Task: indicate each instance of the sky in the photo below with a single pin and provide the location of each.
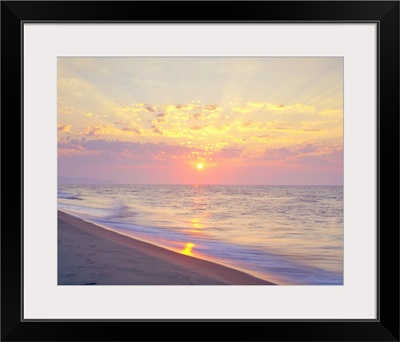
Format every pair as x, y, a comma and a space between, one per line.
187, 120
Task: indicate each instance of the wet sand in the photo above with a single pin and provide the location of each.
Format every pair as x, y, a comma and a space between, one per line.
91, 255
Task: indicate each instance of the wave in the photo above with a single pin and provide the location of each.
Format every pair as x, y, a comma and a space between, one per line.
175, 217
281, 269
120, 210
68, 195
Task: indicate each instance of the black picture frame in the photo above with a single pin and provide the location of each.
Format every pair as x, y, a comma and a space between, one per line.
384, 13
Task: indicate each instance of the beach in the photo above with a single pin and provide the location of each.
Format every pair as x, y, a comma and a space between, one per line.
251, 180
91, 255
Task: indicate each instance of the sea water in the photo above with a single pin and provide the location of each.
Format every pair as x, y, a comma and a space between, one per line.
290, 235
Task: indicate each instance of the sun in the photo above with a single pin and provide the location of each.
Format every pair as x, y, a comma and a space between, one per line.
200, 166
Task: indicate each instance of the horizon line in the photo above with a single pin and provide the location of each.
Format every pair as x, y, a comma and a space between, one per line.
196, 184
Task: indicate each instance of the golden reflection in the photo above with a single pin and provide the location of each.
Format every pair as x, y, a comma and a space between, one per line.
196, 231
188, 249
196, 223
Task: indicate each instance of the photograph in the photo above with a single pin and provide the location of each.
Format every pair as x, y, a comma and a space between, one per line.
200, 170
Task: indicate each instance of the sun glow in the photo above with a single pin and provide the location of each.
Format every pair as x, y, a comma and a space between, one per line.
200, 166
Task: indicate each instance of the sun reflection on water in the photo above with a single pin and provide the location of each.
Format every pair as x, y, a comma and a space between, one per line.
188, 249
196, 223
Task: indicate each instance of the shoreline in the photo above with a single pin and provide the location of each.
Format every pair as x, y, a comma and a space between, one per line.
91, 255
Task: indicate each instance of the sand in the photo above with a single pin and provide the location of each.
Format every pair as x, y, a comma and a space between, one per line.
91, 255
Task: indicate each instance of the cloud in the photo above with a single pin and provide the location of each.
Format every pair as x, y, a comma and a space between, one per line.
241, 110
210, 107
211, 110
71, 145
131, 129
228, 153
247, 123
70, 148
197, 115
310, 130
98, 145
114, 150
308, 148
317, 153
195, 128
173, 108
250, 106
64, 128
156, 130
106, 129
97, 130
250, 125
138, 108
273, 108
189, 106
332, 112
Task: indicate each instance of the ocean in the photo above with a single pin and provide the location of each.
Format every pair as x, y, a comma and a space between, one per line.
290, 235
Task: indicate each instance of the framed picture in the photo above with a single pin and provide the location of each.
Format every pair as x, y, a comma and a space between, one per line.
200, 162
